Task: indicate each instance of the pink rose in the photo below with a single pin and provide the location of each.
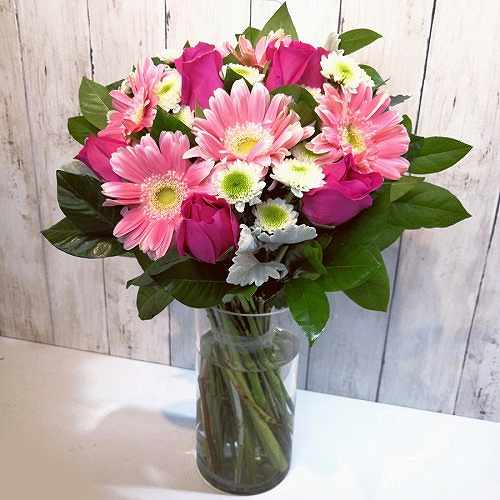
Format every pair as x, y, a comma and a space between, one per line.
208, 228
96, 154
345, 194
296, 63
199, 67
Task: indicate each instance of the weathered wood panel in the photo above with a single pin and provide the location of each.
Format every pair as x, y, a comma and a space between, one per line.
440, 270
24, 307
55, 49
114, 51
213, 22
348, 359
479, 392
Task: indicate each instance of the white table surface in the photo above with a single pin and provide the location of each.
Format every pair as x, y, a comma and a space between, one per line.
83, 426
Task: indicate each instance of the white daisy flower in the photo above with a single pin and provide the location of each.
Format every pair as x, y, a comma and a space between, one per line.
365, 78
342, 70
185, 115
273, 215
168, 91
248, 270
287, 236
300, 175
239, 184
249, 73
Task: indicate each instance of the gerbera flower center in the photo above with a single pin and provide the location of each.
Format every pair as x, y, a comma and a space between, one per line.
353, 136
163, 195
241, 139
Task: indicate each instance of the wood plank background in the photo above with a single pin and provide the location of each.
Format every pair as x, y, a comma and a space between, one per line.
438, 348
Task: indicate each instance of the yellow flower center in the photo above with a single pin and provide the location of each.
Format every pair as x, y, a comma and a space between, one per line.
163, 195
241, 139
353, 136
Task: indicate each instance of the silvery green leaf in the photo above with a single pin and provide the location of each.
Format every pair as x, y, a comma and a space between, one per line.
248, 270
288, 236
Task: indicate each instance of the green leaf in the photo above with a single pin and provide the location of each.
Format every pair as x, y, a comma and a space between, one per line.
353, 40
406, 122
402, 186
231, 77
95, 102
251, 34
114, 85
240, 292
303, 102
427, 205
80, 199
70, 239
281, 19
196, 284
168, 122
398, 99
200, 295
349, 267
374, 293
433, 154
80, 128
309, 306
374, 75
313, 253
151, 300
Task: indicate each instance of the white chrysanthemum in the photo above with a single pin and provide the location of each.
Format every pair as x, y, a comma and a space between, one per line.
287, 236
239, 184
273, 215
246, 242
300, 175
248, 270
168, 56
185, 115
249, 73
168, 91
342, 70
300, 152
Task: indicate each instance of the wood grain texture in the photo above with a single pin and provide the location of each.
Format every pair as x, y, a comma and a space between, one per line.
213, 22
479, 393
114, 51
440, 270
55, 51
24, 307
348, 359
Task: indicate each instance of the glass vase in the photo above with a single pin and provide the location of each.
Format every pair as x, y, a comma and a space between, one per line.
247, 378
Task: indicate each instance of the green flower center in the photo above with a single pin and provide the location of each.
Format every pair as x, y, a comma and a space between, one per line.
273, 217
164, 88
163, 195
351, 135
299, 168
236, 185
344, 72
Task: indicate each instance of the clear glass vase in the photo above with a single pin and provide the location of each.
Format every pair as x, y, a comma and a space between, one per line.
247, 378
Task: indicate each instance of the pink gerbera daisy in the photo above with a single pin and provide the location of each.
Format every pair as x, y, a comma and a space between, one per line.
134, 104
247, 126
362, 125
156, 180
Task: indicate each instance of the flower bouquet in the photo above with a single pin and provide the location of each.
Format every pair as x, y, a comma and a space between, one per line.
247, 179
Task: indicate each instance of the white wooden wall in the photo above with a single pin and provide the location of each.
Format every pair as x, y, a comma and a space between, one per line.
438, 348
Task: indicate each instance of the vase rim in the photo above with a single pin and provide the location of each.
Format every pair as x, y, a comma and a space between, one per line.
273, 312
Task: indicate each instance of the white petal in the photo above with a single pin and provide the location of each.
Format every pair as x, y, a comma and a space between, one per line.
247, 270
288, 236
247, 242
